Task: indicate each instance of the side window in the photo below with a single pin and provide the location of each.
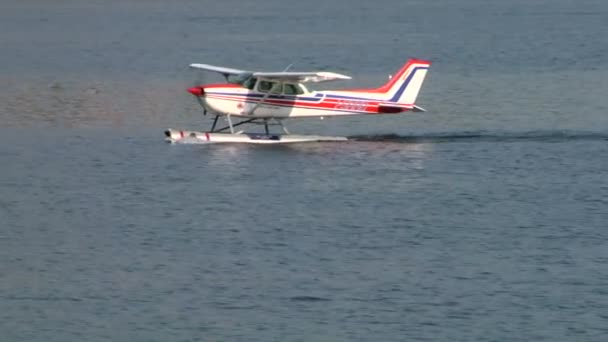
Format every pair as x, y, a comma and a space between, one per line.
273, 87
292, 89
277, 88
264, 86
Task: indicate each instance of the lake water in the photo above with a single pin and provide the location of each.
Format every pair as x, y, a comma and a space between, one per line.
483, 219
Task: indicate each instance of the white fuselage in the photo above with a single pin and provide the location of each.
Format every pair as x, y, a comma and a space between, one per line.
238, 101
268, 98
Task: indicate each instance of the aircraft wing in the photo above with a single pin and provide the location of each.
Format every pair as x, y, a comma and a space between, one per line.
301, 77
283, 76
219, 69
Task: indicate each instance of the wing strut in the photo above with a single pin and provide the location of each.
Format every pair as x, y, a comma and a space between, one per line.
263, 99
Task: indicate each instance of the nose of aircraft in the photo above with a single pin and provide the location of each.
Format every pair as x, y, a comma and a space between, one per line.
196, 91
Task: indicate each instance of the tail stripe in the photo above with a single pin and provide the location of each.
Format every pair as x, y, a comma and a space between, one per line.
407, 81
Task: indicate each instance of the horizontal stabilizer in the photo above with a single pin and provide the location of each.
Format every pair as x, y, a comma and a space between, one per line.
393, 108
418, 109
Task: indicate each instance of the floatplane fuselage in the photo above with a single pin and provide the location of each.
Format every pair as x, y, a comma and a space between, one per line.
271, 97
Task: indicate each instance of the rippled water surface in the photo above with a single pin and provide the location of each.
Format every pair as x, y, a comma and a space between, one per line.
483, 219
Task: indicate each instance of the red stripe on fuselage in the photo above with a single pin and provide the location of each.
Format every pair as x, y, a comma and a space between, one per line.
293, 102
354, 106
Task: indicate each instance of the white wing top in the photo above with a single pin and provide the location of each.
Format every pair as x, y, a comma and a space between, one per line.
221, 70
283, 76
302, 77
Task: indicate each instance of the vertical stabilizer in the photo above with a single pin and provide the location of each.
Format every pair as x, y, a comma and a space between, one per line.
405, 85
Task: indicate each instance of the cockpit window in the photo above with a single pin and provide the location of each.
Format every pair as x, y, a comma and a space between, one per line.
244, 80
249, 83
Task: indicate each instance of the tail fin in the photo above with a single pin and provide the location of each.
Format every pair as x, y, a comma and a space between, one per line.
405, 85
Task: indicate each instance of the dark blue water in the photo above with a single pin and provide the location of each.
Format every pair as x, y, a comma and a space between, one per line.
483, 219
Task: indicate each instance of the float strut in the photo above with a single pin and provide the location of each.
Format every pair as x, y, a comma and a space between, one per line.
214, 123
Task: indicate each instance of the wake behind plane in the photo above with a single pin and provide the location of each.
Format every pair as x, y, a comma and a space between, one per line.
269, 98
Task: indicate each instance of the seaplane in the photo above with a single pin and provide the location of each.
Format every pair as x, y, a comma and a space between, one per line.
269, 98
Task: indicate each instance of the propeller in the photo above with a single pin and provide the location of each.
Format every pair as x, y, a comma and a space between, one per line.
198, 91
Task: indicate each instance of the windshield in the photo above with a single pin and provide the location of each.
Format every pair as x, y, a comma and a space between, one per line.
244, 79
